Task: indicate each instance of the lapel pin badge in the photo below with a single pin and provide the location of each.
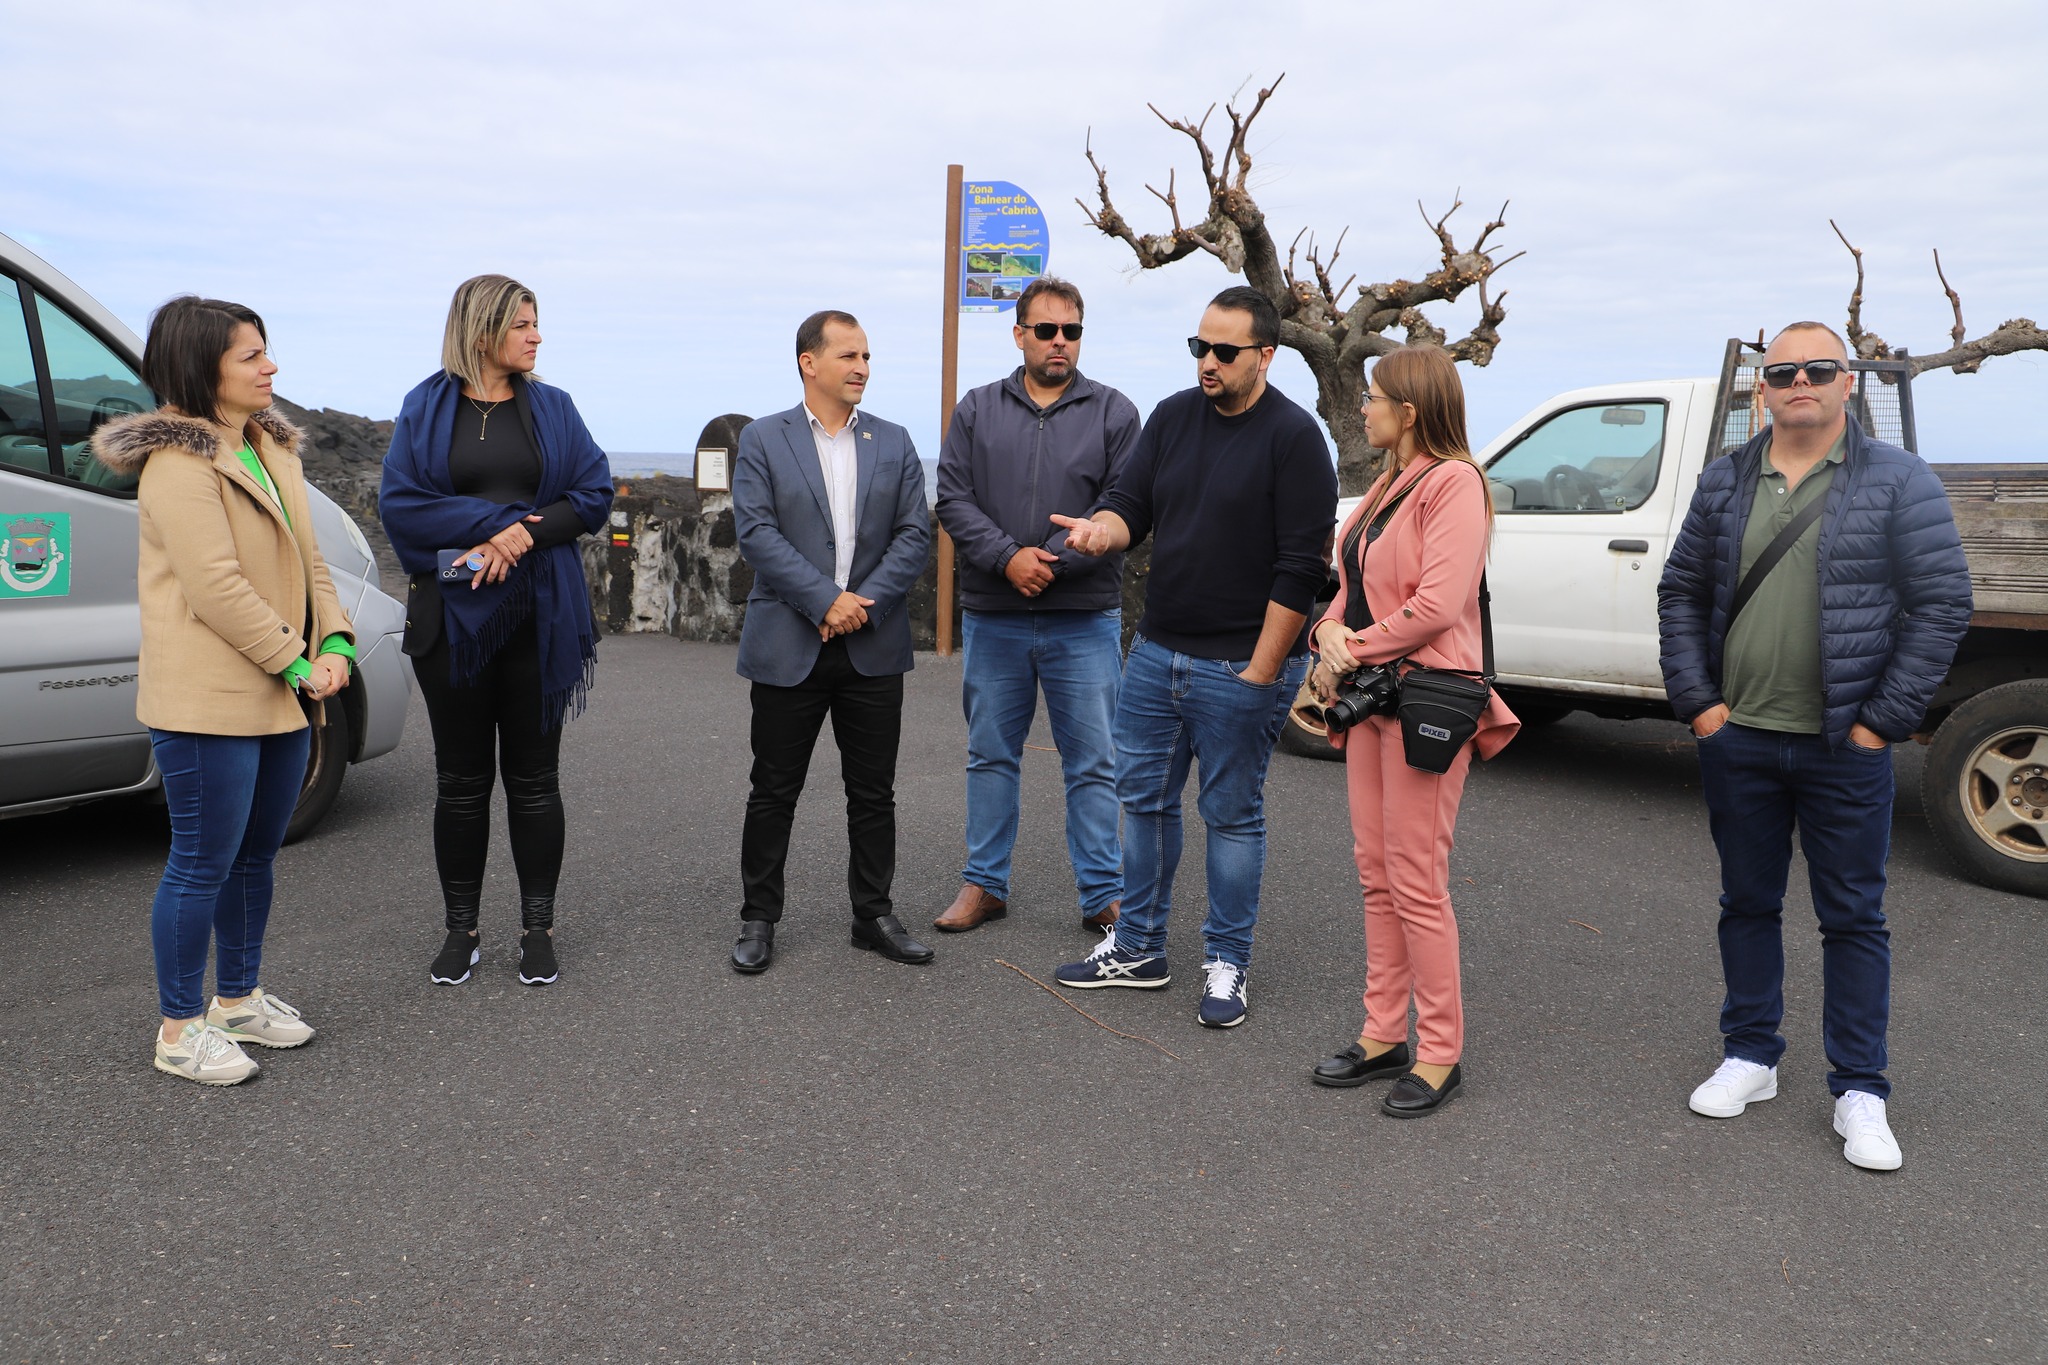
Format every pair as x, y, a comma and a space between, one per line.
867, 436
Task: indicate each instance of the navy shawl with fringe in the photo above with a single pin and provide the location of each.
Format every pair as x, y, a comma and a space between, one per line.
422, 513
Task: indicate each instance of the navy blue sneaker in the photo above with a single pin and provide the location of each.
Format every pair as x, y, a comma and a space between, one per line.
1223, 997
1108, 966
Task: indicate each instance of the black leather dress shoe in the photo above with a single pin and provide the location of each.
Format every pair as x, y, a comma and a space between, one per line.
1412, 1097
756, 947
886, 935
1352, 1067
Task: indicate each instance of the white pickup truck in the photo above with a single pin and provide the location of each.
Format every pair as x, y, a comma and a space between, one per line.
1590, 490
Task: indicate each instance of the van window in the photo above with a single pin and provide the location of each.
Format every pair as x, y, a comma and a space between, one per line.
93, 386
1601, 458
21, 401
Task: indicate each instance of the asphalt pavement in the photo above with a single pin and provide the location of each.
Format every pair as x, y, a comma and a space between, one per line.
846, 1159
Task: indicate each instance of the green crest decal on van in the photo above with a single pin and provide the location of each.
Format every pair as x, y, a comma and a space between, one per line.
35, 554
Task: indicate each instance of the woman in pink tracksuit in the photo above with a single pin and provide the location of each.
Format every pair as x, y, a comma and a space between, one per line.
1421, 602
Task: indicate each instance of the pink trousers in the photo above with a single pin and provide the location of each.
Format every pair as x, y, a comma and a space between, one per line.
1402, 822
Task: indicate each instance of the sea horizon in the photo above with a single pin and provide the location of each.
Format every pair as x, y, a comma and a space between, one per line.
641, 464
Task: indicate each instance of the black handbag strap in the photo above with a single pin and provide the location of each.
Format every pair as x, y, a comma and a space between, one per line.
1780, 546
1363, 535
1355, 604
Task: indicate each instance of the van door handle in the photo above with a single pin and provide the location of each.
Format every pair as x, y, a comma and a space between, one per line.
1629, 547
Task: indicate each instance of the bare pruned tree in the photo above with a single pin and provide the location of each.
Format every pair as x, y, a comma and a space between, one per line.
1335, 337
1964, 357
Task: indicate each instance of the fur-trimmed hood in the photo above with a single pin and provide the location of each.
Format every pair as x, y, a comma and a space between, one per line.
125, 444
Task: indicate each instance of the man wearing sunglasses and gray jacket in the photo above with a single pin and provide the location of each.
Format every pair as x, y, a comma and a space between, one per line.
1809, 610
1035, 613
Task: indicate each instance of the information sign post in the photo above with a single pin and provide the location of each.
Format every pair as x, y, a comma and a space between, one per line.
996, 246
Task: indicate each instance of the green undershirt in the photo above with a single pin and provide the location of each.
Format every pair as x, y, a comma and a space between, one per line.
1770, 663
298, 670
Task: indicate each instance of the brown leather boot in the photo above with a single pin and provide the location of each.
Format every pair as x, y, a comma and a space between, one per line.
969, 910
1104, 917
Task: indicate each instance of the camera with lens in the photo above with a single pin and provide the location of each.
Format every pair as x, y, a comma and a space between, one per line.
1366, 692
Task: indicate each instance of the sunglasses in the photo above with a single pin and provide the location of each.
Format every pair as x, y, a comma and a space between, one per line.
1046, 331
1818, 372
1225, 352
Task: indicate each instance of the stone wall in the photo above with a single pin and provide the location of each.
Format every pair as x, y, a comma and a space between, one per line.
670, 563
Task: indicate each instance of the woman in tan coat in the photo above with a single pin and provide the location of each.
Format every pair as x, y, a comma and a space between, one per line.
242, 640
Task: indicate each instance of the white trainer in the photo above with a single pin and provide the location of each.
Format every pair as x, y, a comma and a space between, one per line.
262, 1019
1867, 1138
1733, 1087
203, 1054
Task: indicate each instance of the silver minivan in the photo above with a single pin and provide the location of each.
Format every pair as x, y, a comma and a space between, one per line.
69, 625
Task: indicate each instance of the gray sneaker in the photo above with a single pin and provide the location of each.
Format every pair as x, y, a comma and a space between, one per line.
262, 1019
203, 1054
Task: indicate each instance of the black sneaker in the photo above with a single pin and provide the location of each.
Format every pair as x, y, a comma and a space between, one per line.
537, 958
457, 956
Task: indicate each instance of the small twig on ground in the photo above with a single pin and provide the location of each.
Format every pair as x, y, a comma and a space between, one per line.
1042, 748
1582, 924
1785, 1269
1134, 1037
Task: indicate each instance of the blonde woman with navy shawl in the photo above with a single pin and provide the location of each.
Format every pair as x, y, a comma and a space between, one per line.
491, 478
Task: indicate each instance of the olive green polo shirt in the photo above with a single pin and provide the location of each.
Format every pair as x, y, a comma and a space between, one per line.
1770, 662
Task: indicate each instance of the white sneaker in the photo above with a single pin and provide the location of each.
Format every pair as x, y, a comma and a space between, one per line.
1734, 1085
1868, 1140
262, 1019
203, 1054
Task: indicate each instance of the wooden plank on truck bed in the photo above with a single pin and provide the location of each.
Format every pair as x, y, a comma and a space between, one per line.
2002, 515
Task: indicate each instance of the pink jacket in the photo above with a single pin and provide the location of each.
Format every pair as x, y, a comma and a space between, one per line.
1422, 579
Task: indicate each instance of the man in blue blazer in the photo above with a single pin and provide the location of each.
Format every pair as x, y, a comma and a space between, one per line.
830, 510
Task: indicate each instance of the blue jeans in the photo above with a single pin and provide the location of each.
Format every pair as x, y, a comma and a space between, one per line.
1077, 656
1760, 785
1175, 710
231, 797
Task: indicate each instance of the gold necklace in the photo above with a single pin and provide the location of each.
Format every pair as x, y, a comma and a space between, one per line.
486, 411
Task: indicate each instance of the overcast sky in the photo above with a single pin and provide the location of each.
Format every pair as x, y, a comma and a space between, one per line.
680, 185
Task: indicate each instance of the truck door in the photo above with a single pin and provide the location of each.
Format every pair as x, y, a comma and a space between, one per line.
1582, 522
68, 625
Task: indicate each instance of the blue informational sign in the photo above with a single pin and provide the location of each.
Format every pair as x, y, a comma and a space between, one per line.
1002, 245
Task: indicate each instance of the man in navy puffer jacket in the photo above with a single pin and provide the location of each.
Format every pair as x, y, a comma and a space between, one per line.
1835, 652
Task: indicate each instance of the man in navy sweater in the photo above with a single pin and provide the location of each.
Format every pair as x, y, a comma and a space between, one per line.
1237, 487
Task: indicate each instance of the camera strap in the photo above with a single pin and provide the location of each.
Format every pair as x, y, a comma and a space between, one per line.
1781, 545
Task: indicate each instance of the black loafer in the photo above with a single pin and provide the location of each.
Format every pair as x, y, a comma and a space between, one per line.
1412, 1097
886, 935
1352, 1067
756, 948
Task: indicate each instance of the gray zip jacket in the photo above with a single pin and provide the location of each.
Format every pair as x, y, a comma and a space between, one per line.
1007, 465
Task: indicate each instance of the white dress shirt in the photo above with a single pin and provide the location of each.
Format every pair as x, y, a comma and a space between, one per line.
836, 457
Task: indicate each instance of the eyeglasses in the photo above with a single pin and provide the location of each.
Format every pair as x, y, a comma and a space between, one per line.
1818, 372
1046, 331
1225, 352
1380, 398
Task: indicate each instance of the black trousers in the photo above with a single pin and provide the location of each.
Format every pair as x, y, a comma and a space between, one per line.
492, 726
867, 723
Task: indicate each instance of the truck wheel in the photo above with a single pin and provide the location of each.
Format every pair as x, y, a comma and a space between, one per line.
326, 765
1304, 740
1985, 787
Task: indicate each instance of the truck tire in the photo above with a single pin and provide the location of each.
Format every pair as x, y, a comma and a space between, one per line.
326, 765
1985, 787
1304, 740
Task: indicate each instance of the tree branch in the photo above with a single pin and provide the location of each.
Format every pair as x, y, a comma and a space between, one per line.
1866, 344
1957, 332
2011, 337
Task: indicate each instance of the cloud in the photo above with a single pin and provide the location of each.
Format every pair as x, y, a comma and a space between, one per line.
682, 185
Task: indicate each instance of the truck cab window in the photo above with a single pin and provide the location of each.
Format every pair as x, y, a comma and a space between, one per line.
1601, 458
92, 386
21, 401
